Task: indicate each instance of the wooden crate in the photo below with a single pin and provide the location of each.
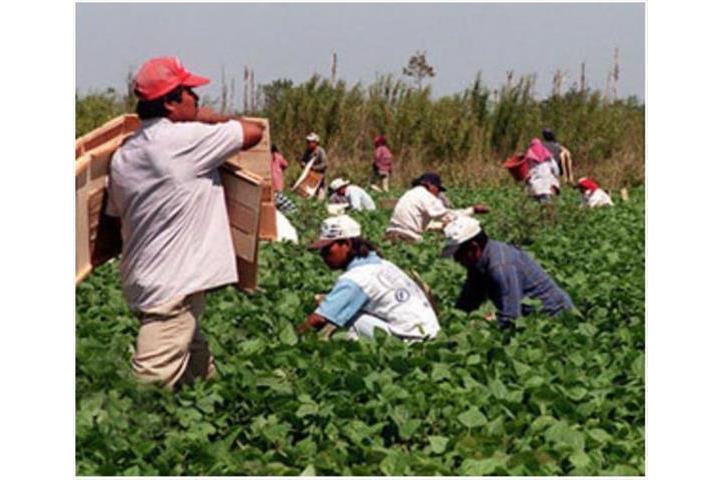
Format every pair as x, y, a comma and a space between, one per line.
258, 160
97, 236
307, 184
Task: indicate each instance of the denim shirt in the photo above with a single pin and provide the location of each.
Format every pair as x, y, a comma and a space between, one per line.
505, 275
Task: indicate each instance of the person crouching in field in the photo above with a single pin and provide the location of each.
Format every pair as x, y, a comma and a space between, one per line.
371, 293
382, 164
165, 186
592, 194
542, 182
419, 206
499, 272
352, 195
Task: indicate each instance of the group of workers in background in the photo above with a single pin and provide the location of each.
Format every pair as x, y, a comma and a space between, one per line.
164, 186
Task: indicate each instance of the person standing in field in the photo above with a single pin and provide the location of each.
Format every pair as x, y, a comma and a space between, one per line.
345, 192
278, 166
420, 205
560, 154
382, 164
165, 187
315, 153
592, 195
542, 181
372, 293
499, 272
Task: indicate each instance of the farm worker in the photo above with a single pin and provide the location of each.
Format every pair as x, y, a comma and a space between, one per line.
345, 192
371, 292
560, 154
500, 272
277, 166
165, 186
382, 163
419, 206
592, 194
542, 182
315, 152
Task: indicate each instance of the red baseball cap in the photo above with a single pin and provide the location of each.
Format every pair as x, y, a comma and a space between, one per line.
587, 183
161, 75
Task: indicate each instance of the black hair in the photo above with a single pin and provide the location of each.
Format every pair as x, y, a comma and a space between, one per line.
273, 148
548, 135
480, 240
361, 247
148, 109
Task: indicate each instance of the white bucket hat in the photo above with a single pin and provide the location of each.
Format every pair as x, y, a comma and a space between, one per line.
338, 183
336, 228
313, 137
458, 232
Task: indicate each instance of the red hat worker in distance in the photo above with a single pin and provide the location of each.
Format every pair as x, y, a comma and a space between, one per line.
161, 75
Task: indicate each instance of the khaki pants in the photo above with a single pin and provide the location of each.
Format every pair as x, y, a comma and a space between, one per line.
170, 349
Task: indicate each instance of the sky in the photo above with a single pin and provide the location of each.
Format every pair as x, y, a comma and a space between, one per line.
296, 40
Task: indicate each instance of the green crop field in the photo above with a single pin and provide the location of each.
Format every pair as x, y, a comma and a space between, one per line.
557, 396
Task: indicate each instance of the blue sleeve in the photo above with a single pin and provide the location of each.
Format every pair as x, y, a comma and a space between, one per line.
343, 303
508, 293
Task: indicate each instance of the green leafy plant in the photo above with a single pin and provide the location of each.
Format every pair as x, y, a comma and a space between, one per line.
558, 396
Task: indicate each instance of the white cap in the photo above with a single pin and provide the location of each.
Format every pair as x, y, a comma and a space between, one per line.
338, 183
337, 228
457, 232
313, 137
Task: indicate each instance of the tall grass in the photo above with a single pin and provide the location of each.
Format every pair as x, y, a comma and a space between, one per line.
465, 136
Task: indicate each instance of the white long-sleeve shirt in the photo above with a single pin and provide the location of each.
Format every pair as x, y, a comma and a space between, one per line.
416, 210
597, 198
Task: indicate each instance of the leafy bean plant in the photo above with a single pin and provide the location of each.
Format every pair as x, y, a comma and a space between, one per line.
557, 396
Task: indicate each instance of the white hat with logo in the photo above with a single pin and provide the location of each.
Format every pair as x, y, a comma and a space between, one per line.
336, 228
313, 137
457, 232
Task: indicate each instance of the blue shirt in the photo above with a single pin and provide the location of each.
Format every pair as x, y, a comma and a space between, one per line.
346, 299
505, 275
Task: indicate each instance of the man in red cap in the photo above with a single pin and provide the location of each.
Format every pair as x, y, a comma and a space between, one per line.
165, 187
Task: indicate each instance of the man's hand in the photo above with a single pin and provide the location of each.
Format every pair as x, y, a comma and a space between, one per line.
480, 208
314, 321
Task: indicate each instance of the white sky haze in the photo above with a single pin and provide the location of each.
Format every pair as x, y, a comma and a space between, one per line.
296, 40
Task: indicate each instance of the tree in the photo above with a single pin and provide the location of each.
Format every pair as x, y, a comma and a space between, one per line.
418, 68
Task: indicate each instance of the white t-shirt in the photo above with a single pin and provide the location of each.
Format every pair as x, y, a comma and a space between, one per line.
359, 198
597, 198
165, 186
414, 211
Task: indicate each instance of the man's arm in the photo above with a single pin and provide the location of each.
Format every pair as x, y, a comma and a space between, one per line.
252, 131
314, 321
507, 293
473, 293
320, 160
